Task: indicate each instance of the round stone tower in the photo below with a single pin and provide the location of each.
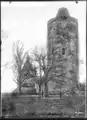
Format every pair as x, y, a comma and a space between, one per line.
63, 40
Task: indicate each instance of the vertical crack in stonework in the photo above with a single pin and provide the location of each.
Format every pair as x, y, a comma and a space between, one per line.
62, 37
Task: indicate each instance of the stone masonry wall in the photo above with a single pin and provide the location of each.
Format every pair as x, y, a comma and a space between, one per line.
63, 39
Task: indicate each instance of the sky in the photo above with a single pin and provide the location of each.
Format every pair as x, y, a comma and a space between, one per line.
27, 22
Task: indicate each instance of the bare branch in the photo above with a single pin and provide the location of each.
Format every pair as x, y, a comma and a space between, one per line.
18, 60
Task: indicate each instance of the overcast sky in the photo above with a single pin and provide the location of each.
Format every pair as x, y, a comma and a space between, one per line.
27, 22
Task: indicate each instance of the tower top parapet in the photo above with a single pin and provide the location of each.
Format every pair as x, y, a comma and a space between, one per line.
63, 12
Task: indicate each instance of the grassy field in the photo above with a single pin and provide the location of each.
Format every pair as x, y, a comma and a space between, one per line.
34, 106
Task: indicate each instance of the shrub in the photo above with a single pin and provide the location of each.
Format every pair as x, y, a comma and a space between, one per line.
7, 106
31, 92
14, 94
4, 106
12, 106
54, 93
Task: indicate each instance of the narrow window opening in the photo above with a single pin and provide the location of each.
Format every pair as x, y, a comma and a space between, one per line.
63, 51
54, 28
63, 17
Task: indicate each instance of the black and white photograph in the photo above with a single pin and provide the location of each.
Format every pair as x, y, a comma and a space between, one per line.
43, 59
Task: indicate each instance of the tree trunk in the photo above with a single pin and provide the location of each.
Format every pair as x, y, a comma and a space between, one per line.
19, 85
19, 79
39, 89
19, 89
46, 89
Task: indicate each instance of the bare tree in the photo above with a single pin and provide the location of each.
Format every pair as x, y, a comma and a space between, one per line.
38, 62
28, 70
18, 61
44, 68
47, 64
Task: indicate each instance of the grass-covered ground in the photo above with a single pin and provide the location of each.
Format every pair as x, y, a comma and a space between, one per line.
34, 106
